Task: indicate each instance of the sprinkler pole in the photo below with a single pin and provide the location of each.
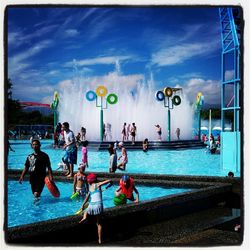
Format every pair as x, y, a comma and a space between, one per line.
101, 124
169, 128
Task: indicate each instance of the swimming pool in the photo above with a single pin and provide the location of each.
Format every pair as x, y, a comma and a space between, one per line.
176, 162
22, 209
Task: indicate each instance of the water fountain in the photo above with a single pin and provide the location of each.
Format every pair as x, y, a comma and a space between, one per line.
136, 103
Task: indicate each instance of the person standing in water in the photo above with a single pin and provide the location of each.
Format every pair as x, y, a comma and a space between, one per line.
124, 157
133, 133
158, 130
80, 182
95, 207
85, 153
124, 137
70, 157
112, 159
178, 132
37, 164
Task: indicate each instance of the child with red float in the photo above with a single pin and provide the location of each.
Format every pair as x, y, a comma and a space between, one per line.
127, 186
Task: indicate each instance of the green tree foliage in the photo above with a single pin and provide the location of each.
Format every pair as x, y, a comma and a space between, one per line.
16, 116
216, 114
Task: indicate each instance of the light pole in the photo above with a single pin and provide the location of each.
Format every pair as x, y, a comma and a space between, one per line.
101, 92
54, 106
166, 95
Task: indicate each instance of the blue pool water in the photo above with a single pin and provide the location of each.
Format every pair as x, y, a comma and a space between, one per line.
176, 162
22, 209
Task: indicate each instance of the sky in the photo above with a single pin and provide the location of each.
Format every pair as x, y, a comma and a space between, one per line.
171, 46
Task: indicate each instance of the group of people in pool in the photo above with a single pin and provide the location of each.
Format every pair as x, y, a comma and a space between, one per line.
213, 146
87, 186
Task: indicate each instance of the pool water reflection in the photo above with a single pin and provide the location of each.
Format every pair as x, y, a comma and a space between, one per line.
22, 209
176, 162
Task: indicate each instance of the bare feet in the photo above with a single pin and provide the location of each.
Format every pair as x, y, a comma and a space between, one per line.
69, 176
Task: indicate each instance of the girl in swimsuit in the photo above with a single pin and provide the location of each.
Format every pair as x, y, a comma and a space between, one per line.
80, 182
95, 206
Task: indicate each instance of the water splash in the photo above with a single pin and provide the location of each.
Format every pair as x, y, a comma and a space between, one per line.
136, 103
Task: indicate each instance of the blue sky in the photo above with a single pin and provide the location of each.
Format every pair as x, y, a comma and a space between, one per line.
173, 46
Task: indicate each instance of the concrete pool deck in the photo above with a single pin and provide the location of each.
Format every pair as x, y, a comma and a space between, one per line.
147, 223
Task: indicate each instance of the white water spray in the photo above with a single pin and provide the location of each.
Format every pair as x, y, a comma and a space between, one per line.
136, 103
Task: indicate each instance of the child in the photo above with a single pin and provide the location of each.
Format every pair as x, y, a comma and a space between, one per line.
124, 157
112, 159
62, 166
95, 206
80, 182
85, 153
127, 187
145, 145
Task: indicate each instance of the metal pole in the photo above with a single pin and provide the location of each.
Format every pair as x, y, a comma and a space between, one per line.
55, 118
169, 138
199, 124
210, 122
101, 125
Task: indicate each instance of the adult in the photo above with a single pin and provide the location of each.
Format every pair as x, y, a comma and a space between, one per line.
70, 157
133, 132
124, 137
127, 187
178, 132
158, 130
123, 157
37, 164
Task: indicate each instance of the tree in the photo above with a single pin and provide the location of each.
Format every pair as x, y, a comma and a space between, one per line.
13, 106
16, 116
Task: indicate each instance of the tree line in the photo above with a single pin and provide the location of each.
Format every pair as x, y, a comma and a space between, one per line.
16, 116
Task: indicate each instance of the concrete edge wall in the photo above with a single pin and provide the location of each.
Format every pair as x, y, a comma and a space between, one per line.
147, 212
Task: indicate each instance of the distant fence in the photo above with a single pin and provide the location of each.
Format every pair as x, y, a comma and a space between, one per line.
26, 131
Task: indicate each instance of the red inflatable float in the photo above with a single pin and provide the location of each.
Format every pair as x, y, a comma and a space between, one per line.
52, 187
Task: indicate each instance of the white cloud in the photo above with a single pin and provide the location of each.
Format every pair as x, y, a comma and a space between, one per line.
71, 33
98, 60
29, 92
19, 62
209, 88
229, 75
180, 53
